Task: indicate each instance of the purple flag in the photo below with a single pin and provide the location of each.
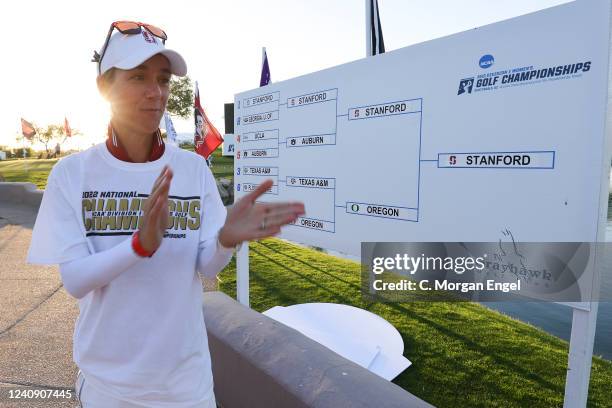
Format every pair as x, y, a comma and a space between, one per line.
265, 70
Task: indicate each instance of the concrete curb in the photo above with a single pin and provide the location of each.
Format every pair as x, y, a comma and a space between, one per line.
259, 362
20, 193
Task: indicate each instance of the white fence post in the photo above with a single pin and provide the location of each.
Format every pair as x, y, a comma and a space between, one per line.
242, 274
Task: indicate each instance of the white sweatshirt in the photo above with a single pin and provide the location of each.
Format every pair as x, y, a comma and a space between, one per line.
140, 335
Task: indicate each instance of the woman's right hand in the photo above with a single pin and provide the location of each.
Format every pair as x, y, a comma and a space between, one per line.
156, 212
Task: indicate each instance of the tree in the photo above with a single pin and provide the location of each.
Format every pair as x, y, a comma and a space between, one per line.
74, 132
45, 136
180, 101
53, 132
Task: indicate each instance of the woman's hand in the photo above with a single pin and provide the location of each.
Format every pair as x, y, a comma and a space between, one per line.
248, 220
156, 213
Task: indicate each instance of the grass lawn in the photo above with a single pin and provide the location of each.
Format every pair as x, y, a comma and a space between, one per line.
463, 354
36, 171
30, 170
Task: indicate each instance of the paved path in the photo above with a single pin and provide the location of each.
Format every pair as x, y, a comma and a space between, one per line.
36, 316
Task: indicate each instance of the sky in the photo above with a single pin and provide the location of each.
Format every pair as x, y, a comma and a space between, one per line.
47, 46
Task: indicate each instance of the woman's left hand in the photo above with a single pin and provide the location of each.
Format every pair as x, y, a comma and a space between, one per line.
247, 219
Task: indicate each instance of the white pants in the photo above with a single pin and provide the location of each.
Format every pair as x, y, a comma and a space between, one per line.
89, 397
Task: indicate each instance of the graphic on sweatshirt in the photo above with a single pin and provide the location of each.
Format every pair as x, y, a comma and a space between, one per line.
121, 213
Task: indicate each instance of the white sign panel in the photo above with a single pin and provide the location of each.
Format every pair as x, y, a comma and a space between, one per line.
494, 134
229, 146
489, 134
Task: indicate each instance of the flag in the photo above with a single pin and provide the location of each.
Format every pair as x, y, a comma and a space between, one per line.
376, 35
265, 69
206, 138
27, 129
170, 132
67, 129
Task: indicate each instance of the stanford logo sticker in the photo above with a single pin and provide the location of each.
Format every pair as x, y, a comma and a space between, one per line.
148, 37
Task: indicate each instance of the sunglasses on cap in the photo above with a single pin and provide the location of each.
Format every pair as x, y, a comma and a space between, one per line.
128, 27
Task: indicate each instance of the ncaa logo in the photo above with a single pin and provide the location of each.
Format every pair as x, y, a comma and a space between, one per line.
465, 86
486, 61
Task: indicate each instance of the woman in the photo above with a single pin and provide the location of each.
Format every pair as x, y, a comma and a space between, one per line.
130, 222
